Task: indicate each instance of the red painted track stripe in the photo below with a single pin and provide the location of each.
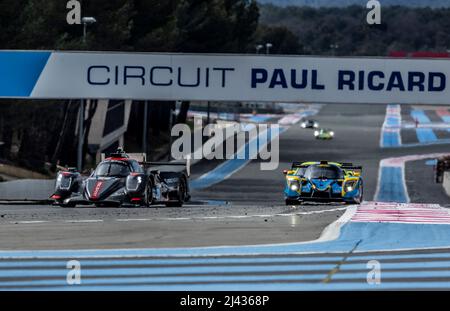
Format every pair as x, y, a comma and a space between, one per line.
378, 211
442, 112
404, 221
403, 214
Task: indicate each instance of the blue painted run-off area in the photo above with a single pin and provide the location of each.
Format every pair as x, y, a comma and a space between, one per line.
251, 273
391, 185
260, 118
446, 119
391, 139
424, 135
420, 116
431, 162
231, 166
390, 135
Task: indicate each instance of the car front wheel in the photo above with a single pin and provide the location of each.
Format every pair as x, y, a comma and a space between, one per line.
149, 194
181, 195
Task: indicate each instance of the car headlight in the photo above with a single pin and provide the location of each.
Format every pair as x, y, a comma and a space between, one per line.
63, 182
58, 180
316, 125
133, 184
350, 186
294, 186
303, 124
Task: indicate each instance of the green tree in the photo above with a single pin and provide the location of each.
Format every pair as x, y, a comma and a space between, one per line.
122, 25
216, 25
283, 40
154, 25
9, 22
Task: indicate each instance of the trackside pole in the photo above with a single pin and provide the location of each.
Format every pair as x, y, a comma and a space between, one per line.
188, 165
145, 128
80, 136
169, 157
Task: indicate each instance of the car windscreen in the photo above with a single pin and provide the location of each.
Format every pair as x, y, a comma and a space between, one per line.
300, 171
112, 169
329, 172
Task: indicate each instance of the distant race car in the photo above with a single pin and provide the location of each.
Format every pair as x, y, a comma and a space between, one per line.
309, 124
323, 182
122, 181
324, 134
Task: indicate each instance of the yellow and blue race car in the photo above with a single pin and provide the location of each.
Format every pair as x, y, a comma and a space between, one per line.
323, 182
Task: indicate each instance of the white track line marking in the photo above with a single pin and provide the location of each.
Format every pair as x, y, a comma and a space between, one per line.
189, 218
238, 216
135, 219
315, 212
30, 222
84, 221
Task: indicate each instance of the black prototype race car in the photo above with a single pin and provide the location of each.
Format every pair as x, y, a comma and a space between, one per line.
309, 124
121, 181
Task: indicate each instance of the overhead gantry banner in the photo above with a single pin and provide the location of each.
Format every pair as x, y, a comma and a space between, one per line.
206, 77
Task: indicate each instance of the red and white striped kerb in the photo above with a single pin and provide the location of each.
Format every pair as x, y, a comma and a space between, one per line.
401, 213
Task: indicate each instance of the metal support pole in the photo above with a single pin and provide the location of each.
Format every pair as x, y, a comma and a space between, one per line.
145, 128
170, 134
80, 136
84, 32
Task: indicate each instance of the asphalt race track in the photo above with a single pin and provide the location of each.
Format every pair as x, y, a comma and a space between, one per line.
247, 208
245, 217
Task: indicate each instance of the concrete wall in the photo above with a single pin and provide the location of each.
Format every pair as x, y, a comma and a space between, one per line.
20, 173
446, 183
27, 189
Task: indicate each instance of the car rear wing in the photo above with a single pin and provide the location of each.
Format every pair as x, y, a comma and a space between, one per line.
298, 165
344, 164
186, 164
67, 169
357, 170
140, 157
352, 167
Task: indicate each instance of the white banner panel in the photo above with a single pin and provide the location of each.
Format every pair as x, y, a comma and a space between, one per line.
144, 76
